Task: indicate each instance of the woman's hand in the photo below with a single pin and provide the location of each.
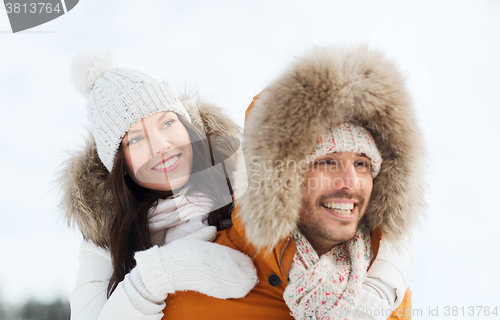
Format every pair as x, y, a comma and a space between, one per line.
192, 263
393, 268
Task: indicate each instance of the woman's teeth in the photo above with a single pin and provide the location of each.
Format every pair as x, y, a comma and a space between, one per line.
167, 164
340, 208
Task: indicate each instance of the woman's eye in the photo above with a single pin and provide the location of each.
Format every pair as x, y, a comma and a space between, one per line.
168, 123
135, 140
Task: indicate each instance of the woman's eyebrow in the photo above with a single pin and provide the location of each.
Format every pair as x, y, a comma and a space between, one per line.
166, 113
134, 131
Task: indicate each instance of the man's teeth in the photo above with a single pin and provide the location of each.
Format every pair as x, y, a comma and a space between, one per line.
167, 164
339, 207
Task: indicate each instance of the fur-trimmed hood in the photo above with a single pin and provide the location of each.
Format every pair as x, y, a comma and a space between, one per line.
326, 87
88, 204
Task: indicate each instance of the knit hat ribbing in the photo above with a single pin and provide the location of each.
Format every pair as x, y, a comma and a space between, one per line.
117, 99
349, 137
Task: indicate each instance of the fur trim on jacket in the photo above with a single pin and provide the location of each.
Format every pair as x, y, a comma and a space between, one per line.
88, 204
326, 87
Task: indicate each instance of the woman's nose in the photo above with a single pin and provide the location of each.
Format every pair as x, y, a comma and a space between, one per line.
159, 144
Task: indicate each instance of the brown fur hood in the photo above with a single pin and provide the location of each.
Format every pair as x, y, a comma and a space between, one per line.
326, 87
85, 200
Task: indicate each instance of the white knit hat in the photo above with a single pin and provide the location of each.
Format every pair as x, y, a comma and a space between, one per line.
349, 137
117, 99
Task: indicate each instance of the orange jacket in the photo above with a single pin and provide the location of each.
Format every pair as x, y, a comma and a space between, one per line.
265, 301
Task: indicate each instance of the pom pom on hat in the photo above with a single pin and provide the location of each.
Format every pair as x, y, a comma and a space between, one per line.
89, 66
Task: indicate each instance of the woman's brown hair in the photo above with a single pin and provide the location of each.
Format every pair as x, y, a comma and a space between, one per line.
131, 202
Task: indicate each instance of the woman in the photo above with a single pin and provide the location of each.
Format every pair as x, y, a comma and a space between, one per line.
153, 171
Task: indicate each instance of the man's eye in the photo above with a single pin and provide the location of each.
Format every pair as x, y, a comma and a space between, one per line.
362, 164
326, 161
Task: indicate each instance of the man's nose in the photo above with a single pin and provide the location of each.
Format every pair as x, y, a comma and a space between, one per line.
348, 176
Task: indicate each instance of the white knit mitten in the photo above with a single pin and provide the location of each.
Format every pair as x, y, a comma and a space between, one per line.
372, 304
393, 267
196, 265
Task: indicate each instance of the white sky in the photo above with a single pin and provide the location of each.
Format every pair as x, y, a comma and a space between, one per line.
231, 50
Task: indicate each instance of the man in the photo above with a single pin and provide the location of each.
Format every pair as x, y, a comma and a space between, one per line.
332, 158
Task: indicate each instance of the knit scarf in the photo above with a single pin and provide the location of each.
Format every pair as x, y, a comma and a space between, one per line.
176, 217
327, 287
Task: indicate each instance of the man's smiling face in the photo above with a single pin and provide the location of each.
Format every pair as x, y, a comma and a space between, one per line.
337, 189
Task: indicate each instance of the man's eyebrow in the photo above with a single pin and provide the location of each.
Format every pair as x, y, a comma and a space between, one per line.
362, 155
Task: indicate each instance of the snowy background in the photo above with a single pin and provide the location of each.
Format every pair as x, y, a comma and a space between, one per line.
449, 51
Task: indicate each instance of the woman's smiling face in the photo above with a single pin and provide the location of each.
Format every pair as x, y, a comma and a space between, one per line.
158, 153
